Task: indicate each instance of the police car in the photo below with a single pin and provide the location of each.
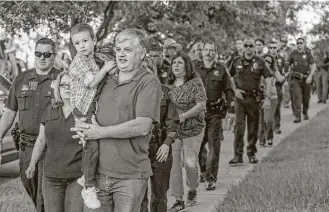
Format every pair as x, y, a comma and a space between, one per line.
9, 152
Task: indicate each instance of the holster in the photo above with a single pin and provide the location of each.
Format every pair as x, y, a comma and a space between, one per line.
298, 75
26, 140
258, 94
218, 107
16, 135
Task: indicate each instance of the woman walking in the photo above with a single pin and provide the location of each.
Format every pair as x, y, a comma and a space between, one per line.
63, 154
188, 95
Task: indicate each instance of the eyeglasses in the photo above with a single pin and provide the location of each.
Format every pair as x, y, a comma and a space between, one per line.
65, 85
300, 43
249, 46
45, 54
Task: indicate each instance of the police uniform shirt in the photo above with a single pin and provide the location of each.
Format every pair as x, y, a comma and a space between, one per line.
30, 94
247, 73
216, 80
301, 61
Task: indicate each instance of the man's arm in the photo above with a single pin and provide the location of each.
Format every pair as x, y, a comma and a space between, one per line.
313, 68
140, 126
6, 121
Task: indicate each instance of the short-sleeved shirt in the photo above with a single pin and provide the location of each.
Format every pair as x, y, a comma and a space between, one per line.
216, 81
301, 61
247, 73
119, 103
63, 155
30, 94
184, 98
83, 70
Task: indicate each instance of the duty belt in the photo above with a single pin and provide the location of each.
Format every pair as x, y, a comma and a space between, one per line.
27, 141
299, 75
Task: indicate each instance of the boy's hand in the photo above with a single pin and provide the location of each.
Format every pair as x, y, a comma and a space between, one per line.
109, 65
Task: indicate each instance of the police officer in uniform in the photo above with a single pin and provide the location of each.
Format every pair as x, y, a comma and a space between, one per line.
30, 94
160, 152
303, 68
247, 72
216, 81
283, 69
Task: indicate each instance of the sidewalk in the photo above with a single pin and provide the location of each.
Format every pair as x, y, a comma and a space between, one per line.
232, 175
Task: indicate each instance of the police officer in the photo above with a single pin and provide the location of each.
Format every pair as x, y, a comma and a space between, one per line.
170, 48
160, 152
303, 68
247, 72
216, 81
284, 51
30, 94
283, 69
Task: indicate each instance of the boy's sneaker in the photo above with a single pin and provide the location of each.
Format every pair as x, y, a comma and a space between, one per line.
191, 198
90, 197
81, 181
178, 206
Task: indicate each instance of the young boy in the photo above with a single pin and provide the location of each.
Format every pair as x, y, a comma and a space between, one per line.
86, 76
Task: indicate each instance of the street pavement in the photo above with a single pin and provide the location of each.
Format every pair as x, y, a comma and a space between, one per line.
232, 175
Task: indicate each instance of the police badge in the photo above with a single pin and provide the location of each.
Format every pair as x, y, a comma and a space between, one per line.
216, 73
255, 65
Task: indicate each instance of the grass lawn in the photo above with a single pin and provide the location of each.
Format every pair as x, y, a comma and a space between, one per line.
294, 176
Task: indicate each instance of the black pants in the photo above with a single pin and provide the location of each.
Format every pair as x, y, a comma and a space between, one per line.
32, 186
247, 108
159, 184
277, 116
300, 95
209, 162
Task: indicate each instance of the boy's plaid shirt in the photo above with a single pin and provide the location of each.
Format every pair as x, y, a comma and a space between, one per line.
82, 71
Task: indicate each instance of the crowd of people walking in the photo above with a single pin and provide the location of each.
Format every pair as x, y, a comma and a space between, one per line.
94, 133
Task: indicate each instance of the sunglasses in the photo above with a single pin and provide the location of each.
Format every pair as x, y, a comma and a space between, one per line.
300, 43
249, 46
65, 85
45, 54
272, 47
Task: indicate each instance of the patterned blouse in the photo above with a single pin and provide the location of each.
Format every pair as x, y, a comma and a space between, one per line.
184, 98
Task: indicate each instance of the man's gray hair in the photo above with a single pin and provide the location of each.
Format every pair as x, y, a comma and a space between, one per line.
132, 33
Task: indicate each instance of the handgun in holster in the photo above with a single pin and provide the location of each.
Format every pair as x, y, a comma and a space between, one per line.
15, 133
218, 107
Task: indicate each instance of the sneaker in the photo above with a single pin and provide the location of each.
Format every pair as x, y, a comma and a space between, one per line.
202, 178
90, 197
191, 198
178, 206
211, 186
278, 131
81, 181
270, 142
253, 159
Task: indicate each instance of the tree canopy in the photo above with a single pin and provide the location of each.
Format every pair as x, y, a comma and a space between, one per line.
185, 21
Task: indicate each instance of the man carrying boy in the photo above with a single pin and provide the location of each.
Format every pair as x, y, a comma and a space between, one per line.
86, 76
129, 105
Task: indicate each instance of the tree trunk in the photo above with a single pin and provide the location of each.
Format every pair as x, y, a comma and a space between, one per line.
74, 21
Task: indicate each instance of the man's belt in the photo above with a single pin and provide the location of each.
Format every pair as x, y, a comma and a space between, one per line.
218, 107
27, 140
299, 75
